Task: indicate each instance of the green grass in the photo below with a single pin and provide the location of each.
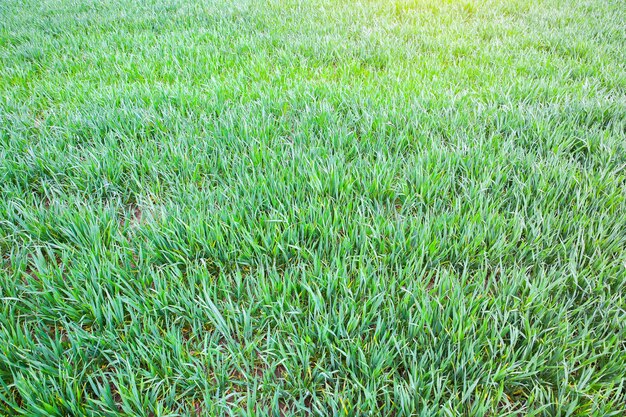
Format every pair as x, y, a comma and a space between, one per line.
313, 208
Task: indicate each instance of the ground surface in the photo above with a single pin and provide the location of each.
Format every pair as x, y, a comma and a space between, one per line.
375, 208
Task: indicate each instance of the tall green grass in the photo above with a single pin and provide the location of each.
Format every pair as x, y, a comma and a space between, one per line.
294, 208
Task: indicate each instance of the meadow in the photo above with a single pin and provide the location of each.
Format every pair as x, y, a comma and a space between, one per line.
313, 208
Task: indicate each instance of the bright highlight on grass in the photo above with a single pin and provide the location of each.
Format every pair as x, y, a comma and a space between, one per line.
312, 208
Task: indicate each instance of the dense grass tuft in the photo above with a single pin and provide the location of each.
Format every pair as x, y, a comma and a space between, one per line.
294, 208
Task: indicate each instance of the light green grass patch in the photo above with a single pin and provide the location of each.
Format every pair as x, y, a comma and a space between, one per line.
294, 208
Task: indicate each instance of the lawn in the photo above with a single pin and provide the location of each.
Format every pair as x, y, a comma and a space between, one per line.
313, 208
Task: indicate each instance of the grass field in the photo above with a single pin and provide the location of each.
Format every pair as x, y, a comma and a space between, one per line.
313, 208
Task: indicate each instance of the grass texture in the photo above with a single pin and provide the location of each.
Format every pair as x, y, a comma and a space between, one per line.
313, 208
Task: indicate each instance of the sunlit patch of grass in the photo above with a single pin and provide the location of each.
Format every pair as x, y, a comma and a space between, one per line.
406, 207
